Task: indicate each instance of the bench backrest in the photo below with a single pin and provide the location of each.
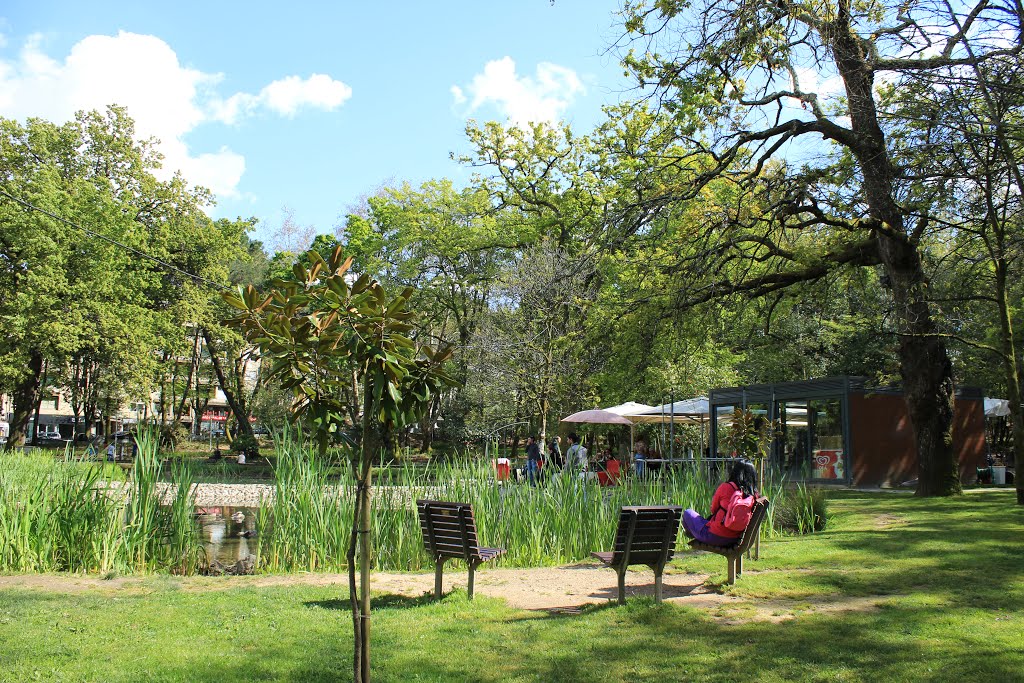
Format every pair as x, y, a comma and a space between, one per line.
646, 535
754, 526
448, 529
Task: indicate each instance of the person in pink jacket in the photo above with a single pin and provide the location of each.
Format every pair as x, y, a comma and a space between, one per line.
712, 529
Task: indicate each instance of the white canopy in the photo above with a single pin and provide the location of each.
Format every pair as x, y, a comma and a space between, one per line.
997, 407
691, 410
629, 408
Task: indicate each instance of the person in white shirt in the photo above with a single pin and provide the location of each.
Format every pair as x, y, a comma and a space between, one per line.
576, 456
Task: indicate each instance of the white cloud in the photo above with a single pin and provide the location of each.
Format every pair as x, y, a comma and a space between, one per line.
290, 94
522, 99
166, 99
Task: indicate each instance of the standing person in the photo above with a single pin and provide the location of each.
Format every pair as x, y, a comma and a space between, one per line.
640, 458
111, 451
555, 454
532, 460
719, 528
576, 456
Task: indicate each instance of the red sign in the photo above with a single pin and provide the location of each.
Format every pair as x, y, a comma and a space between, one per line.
218, 417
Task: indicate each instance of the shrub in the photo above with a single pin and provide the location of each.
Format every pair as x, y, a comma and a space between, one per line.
801, 509
246, 444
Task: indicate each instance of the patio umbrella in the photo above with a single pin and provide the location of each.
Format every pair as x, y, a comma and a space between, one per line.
629, 409
601, 417
690, 411
597, 417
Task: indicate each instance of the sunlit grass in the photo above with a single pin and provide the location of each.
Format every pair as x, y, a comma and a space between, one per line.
925, 590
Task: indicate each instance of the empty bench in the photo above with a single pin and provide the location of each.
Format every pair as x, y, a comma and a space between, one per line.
449, 531
646, 535
734, 553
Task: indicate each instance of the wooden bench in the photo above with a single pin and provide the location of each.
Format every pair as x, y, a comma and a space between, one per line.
449, 531
734, 553
646, 535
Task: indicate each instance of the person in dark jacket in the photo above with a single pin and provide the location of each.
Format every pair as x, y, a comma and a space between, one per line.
555, 454
532, 460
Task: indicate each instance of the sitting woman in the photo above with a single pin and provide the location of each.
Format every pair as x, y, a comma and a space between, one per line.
608, 468
742, 484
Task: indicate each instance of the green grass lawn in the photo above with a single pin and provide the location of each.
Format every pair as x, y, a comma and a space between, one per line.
926, 590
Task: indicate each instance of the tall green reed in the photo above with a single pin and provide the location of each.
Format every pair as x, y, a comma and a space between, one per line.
306, 526
182, 547
72, 515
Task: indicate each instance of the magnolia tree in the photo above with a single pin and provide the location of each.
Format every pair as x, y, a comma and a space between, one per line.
320, 331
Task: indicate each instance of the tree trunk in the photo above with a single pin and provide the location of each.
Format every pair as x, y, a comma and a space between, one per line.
39, 402
193, 368
25, 395
361, 605
924, 364
1011, 368
238, 408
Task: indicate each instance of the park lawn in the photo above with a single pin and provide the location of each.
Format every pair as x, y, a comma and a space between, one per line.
927, 590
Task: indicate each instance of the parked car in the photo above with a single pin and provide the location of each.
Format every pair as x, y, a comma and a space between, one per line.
260, 430
218, 433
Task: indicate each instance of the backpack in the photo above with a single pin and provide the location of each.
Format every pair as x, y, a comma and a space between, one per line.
738, 511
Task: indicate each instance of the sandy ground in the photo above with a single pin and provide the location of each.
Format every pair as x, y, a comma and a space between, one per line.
563, 590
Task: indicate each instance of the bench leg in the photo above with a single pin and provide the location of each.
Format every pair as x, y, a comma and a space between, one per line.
657, 584
732, 569
739, 565
438, 572
622, 586
472, 574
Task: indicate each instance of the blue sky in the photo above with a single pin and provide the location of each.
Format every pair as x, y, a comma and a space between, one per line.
310, 106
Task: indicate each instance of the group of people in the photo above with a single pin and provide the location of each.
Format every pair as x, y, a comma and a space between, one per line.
575, 460
731, 504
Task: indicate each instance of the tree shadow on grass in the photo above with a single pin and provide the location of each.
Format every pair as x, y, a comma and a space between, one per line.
377, 602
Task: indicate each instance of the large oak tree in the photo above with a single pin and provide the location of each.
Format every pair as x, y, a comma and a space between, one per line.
748, 86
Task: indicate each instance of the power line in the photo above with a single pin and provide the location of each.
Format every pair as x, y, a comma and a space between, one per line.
133, 250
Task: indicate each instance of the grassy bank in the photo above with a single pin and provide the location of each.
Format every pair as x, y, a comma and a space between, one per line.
922, 590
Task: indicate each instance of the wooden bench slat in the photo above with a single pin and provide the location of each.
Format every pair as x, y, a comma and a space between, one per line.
447, 537
653, 532
734, 553
645, 535
449, 531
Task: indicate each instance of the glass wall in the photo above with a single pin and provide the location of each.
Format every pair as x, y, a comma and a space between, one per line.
827, 454
808, 426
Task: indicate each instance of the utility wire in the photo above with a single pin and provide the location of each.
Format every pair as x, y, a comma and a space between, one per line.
133, 250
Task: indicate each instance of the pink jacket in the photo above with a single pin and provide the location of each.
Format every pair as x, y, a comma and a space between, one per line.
723, 494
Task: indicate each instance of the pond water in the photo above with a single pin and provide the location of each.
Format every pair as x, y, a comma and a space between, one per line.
228, 533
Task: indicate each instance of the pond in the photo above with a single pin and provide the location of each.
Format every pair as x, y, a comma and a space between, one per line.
228, 532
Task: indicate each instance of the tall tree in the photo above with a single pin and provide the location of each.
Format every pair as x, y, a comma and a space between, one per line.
737, 78
313, 328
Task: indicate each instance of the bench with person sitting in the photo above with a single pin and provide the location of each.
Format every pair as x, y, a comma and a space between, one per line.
737, 511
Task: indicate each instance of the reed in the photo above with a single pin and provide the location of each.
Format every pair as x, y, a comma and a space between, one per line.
62, 516
182, 548
306, 526
71, 515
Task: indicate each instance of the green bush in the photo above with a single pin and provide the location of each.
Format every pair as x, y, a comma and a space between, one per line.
246, 444
801, 509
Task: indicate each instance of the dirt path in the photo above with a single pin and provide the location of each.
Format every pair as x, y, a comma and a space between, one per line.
555, 589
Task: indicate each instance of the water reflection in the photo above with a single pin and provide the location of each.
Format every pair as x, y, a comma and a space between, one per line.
228, 533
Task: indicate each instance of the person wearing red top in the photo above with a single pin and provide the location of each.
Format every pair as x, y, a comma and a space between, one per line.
712, 530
